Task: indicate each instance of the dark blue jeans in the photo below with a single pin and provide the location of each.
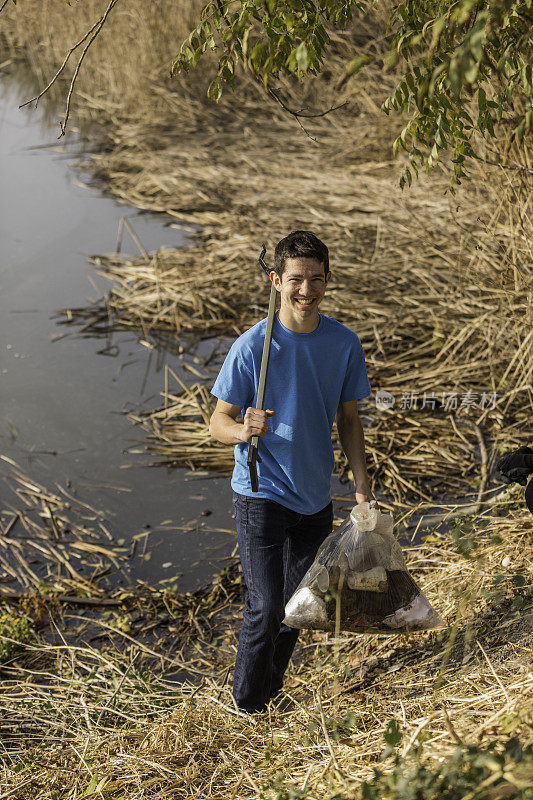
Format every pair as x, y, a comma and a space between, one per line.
276, 546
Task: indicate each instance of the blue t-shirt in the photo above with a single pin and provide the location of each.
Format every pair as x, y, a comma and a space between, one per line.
309, 374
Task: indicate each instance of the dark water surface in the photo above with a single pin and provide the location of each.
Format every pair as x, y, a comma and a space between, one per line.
59, 394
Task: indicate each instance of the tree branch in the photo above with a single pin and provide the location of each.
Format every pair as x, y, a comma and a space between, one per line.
61, 68
298, 114
92, 33
503, 166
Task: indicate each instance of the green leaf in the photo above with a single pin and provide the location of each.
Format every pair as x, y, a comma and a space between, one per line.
455, 76
471, 72
391, 59
301, 56
422, 93
393, 734
477, 40
244, 43
410, 81
256, 57
437, 30
358, 63
526, 78
216, 92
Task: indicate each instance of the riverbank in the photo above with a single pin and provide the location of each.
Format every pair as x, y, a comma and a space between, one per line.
149, 707
437, 288
62, 389
441, 298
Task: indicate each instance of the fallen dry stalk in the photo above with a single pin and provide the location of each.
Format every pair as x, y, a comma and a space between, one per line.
438, 288
441, 300
139, 732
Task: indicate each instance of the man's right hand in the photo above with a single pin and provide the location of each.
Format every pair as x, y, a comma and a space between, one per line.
255, 423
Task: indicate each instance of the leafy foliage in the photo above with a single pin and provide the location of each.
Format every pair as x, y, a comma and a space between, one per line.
466, 64
470, 48
472, 771
466, 773
13, 630
271, 37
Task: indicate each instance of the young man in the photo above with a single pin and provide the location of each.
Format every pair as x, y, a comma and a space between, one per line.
316, 372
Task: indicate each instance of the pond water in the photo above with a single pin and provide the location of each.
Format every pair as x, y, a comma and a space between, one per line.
62, 395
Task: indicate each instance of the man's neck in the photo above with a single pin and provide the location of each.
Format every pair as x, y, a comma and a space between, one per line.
297, 325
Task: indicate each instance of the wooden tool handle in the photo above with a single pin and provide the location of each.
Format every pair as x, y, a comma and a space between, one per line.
253, 456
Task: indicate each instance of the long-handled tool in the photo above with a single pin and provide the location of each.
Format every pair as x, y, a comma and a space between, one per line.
253, 456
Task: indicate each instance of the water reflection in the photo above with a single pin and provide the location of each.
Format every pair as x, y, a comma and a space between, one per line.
62, 395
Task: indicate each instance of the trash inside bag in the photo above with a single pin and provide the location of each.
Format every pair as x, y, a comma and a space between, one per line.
360, 574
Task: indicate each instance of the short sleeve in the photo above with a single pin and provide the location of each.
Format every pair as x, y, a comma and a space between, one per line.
235, 383
356, 384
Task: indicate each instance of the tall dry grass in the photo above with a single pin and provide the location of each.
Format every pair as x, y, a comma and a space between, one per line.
125, 74
245, 172
439, 289
135, 47
74, 718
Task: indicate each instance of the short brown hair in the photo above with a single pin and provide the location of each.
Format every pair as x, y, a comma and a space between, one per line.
300, 244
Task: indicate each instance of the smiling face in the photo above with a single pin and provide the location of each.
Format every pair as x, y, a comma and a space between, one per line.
302, 287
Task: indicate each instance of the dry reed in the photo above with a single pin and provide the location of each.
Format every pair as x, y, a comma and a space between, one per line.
440, 309
53, 542
106, 721
438, 289
61, 567
441, 300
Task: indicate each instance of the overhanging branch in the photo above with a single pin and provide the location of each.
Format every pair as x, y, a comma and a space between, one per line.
89, 35
302, 112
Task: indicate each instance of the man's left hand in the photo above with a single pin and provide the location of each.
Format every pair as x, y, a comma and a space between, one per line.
364, 495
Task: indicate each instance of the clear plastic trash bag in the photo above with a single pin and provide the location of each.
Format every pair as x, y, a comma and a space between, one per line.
360, 574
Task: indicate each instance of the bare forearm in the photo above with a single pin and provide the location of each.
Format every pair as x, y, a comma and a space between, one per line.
225, 429
353, 444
